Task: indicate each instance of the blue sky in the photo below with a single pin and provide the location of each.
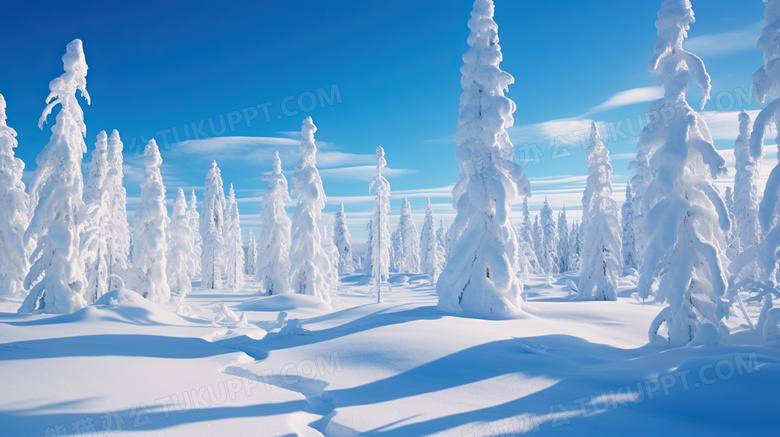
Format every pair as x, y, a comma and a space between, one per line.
232, 81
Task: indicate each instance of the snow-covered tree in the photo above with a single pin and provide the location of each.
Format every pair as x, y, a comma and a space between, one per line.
56, 279
629, 228
526, 240
14, 214
686, 217
368, 265
431, 258
745, 208
407, 246
250, 258
341, 241
195, 238
95, 239
150, 246
536, 235
180, 249
119, 230
212, 223
563, 254
234, 243
732, 242
273, 257
479, 278
549, 239
311, 271
602, 261
575, 246
379, 244
640, 182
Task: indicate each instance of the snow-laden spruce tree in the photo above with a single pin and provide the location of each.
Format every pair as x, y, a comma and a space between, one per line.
686, 217
234, 243
180, 260
549, 239
95, 240
379, 244
273, 257
602, 260
368, 265
396, 250
408, 248
479, 278
119, 230
212, 223
563, 254
150, 244
526, 239
575, 246
250, 258
746, 204
629, 228
431, 257
766, 253
14, 214
56, 279
341, 241
732, 242
195, 238
641, 180
536, 235
311, 271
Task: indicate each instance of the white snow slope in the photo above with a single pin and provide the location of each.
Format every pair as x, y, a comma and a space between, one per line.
243, 364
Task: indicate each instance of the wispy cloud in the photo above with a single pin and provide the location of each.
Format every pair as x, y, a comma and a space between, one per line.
719, 44
725, 125
629, 97
360, 172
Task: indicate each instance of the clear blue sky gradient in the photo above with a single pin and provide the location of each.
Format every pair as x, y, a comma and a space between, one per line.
386, 73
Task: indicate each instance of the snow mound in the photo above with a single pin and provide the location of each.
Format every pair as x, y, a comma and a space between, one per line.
283, 302
706, 335
293, 327
131, 307
226, 317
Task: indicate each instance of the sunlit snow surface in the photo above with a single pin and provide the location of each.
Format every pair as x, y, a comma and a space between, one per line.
356, 367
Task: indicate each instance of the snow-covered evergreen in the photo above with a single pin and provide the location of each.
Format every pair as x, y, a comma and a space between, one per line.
549, 239
341, 241
431, 258
406, 242
526, 239
536, 235
563, 254
148, 275
640, 182
180, 259
212, 222
250, 258
686, 217
234, 244
479, 278
14, 214
379, 242
195, 238
56, 279
629, 228
602, 261
273, 257
732, 242
311, 270
119, 230
575, 246
94, 243
745, 186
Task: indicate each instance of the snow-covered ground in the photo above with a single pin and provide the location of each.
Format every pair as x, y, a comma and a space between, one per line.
360, 368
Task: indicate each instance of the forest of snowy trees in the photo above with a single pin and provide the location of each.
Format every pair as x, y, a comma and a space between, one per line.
67, 241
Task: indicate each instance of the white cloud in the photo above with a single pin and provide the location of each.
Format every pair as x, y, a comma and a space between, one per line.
361, 172
708, 46
629, 97
725, 125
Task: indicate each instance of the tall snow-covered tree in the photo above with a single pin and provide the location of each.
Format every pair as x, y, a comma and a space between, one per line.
234, 243
575, 246
273, 260
602, 260
686, 217
526, 239
180, 260
408, 249
212, 223
549, 239
479, 278
563, 254
628, 235
640, 182
746, 203
732, 241
311, 271
341, 241
195, 238
431, 258
95, 240
379, 244
250, 259
14, 214
368, 264
148, 275
536, 235
119, 229
56, 279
